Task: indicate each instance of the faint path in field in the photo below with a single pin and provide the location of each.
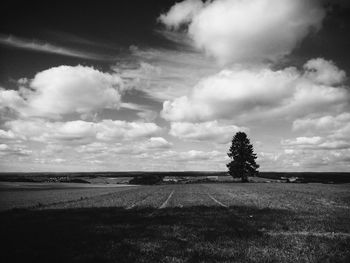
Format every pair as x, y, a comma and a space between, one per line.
138, 202
164, 205
188, 195
216, 201
85, 198
88, 201
307, 233
44, 199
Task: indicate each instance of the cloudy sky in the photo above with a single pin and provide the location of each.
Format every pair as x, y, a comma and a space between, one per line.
164, 85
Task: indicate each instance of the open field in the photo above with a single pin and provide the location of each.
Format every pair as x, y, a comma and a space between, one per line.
32, 195
124, 177
233, 222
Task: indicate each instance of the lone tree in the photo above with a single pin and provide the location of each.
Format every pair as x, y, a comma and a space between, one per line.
243, 158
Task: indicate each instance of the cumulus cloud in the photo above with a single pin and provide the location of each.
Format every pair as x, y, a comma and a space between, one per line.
98, 148
80, 131
153, 144
108, 129
148, 115
241, 31
306, 159
333, 131
199, 155
205, 131
191, 155
303, 141
10, 99
326, 123
181, 13
317, 143
7, 135
157, 143
324, 72
257, 93
14, 150
63, 90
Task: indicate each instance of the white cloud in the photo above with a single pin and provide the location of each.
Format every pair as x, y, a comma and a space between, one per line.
163, 73
255, 94
148, 115
304, 141
152, 144
14, 150
324, 123
251, 30
324, 72
334, 144
317, 143
81, 131
95, 148
199, 155
109, 130
157, 143
143, 111
181, 13
7, 135
10, 99
191, 155
40, 46
63, 90
205, 131
333, 131
307, 159
3, 147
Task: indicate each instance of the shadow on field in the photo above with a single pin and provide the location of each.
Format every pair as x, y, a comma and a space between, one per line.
195, 234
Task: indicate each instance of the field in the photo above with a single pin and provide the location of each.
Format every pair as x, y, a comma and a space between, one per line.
221, 222
124, 177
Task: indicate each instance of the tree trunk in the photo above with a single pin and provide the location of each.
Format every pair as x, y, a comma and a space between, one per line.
245, 179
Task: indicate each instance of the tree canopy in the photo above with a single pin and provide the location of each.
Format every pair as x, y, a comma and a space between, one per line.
243, 158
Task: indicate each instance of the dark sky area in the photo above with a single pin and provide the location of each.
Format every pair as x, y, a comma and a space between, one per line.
104, 27
112, 26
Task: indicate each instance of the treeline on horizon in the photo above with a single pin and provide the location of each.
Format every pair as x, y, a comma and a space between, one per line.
336, 177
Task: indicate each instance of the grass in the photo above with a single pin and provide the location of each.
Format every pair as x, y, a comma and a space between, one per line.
263, 223
24, 198
193, 234
321, 177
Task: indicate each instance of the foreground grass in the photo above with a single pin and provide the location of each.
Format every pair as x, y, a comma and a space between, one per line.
193, 234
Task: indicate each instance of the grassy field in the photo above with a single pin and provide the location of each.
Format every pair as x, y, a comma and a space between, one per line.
232, 222
124, 177
34, 195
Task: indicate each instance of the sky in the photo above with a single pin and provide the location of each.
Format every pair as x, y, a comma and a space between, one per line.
162, 85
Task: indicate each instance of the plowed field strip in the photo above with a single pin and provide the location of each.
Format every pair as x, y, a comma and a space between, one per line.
216, 201
167, 200
116, 199
139, 201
